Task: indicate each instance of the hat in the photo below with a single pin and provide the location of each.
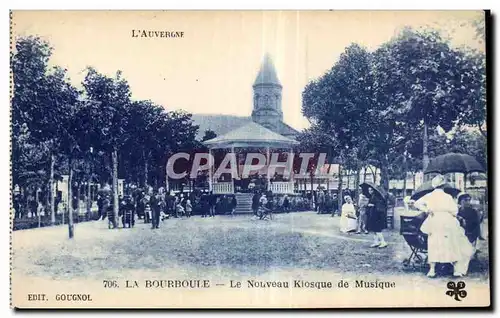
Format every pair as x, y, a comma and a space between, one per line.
463, 195
438, 181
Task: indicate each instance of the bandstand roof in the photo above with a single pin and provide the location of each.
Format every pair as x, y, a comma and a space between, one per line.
250, 135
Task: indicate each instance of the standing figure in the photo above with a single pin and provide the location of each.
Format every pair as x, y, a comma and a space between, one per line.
140, 206
33, 206
17, 205
212, 203
147, 208
156, 210
204, 205
375, 220
286, 204
470, 218
446, 240
362, 206
189, 208
170, 204
335, 204
255, 203
321, 201
100, 203
234, 203
128, 215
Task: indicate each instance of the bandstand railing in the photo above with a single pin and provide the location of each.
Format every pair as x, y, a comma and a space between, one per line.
281, 187
223, 188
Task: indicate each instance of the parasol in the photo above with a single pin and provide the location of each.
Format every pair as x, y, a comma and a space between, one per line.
427, 187
365, 185
454, 162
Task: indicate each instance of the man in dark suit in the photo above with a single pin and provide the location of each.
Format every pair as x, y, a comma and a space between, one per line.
212, 203
255, 203
155, 210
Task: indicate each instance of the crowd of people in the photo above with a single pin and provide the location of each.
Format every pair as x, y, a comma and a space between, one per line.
452, 225
153, 206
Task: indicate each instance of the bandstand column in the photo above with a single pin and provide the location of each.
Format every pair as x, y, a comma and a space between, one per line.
232, 179
210, 164
268, 161
291, 180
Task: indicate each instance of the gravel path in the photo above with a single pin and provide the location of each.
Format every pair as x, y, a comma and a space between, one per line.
224, 247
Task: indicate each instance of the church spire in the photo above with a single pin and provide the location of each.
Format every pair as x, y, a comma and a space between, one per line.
267, 96
267, 73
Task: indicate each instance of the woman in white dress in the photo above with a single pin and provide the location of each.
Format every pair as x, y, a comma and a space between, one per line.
348, 219
446, 241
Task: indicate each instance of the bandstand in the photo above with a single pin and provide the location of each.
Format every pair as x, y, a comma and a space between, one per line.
250, 138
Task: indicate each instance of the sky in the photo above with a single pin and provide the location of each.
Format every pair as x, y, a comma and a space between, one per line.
212, 68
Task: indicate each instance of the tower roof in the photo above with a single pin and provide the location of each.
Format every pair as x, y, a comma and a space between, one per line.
267, 73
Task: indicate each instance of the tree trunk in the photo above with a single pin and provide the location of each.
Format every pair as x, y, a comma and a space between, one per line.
70, 199
404, 182
356, 184
167, 184
89, 197
405, 171
374, 175
78, 196
52, 200
312, 182
339, 196
114, 163
414, 182
425, 159
348, 176
364, 173
145, 171
481, 130
384, 173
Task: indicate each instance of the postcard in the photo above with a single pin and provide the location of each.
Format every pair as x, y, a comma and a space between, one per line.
249, 159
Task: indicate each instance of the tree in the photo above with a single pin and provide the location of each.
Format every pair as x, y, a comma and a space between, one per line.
470, 142
142, 132
178, 134
426, 81
209, 134
109, 100
42, 100
343, 104
340, 103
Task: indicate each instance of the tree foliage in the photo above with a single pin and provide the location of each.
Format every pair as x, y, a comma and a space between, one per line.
55, 126
372, 107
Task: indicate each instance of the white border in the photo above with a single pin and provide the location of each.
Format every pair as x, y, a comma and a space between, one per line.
185, 4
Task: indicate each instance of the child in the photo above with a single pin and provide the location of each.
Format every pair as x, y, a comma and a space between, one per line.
363, 202
147, 213
189, 208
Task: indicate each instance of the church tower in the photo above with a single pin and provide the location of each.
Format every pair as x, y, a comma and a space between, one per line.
267, 96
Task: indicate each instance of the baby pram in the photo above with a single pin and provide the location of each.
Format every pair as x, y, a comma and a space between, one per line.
417, 241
